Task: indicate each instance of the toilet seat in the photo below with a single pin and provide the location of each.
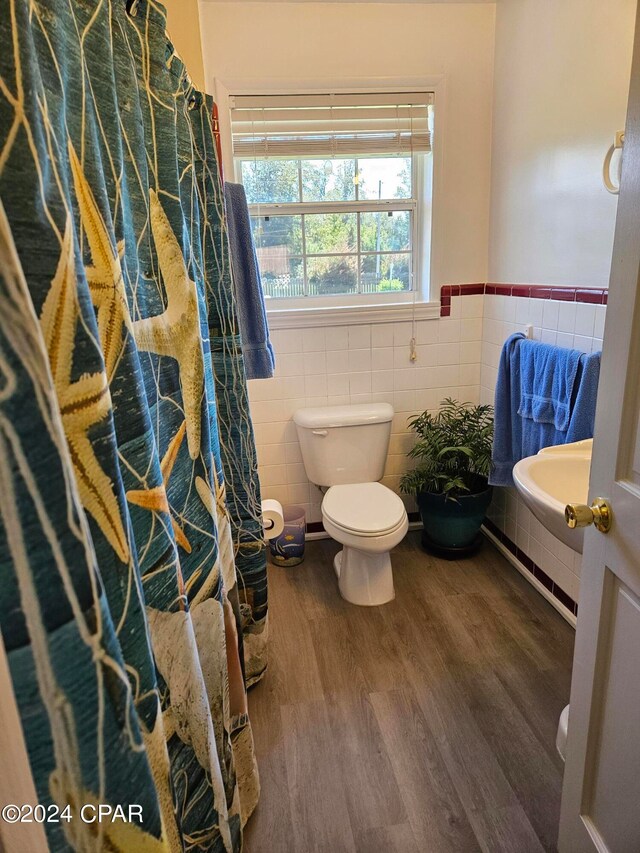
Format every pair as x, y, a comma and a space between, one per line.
364, 509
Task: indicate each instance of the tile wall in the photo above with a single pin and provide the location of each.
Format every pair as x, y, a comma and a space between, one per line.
568, 324
328, 366
457, 356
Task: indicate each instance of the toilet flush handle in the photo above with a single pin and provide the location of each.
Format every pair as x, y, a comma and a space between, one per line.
321, 432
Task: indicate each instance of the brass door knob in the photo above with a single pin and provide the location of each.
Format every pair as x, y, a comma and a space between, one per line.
581, 515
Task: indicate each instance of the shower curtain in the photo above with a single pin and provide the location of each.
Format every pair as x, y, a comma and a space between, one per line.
132, 568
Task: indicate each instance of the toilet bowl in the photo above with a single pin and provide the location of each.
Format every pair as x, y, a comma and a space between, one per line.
368, 520
344, 450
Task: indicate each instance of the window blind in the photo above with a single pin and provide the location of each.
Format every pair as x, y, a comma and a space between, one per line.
319, 126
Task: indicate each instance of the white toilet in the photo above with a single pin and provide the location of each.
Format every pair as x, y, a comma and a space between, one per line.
345, 448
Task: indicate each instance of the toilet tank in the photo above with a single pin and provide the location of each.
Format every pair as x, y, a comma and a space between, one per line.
344, 444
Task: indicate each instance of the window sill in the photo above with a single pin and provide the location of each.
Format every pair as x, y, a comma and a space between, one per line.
350, 315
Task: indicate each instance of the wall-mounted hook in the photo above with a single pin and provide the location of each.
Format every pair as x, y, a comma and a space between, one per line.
606, 166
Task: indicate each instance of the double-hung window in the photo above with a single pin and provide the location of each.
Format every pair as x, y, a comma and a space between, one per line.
339, 191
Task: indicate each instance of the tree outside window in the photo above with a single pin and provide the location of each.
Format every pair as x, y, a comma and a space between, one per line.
345, 249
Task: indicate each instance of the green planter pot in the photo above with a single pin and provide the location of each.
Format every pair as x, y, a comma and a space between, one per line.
453, 524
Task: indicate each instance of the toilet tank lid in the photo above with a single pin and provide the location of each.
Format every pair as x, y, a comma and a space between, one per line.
336, 416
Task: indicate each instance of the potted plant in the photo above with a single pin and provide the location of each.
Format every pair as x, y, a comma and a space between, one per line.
450, 481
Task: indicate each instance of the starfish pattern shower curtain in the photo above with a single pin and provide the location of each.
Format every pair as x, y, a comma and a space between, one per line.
132, 567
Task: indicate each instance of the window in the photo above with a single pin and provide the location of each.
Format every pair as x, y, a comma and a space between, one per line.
339, 193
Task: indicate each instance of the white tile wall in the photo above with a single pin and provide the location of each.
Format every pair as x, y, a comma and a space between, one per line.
457, 356
360, 364
568, 324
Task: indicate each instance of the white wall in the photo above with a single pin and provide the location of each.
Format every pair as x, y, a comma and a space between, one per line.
562, 71
294, 41
324, 366
183, 26
527, 208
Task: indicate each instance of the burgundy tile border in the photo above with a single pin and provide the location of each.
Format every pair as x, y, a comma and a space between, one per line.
591, 296
563, 294
471, 289
538, 573
594, 297
503, 290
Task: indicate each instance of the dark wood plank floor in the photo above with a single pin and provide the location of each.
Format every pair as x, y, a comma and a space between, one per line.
424, 726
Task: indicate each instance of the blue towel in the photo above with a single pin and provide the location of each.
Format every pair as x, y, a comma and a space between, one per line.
583, 417
548, 376
507, 427
544, 396
258, 353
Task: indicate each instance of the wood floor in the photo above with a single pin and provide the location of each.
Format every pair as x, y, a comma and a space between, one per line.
423, 726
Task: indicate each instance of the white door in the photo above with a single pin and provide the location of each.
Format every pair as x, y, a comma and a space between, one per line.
16, 783
601, 794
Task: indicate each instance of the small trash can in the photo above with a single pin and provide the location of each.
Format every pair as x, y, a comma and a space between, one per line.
288, 548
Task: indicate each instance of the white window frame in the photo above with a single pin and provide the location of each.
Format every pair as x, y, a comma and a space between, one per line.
420, 303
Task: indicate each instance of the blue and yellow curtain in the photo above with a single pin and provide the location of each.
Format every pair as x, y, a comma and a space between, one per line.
133, 601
